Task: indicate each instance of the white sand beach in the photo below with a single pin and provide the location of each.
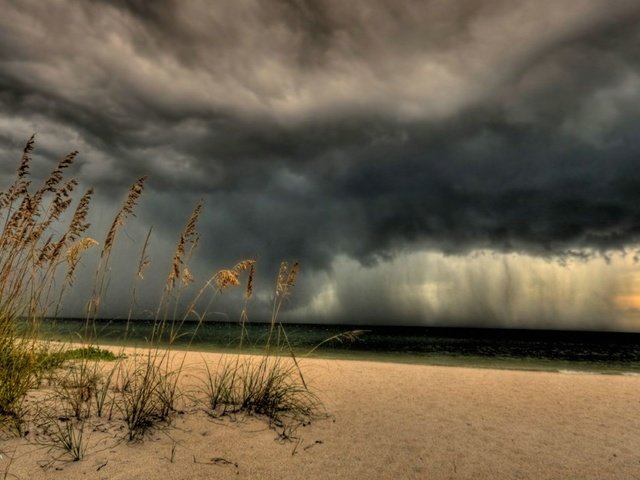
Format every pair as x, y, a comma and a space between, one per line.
384, 421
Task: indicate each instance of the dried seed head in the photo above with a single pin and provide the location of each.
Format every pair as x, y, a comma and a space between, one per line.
226, 278
281, 282
78, 222
249, 290
188, 240
286, 279
246, 266
60, 204
141, 268
186, 278
21, 184
68, 187
56, 176
190, 229
134, 194
73, 255
45, 251
127, 209
293, 274
25, 162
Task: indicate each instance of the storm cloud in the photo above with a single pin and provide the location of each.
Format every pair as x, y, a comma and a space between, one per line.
336, 131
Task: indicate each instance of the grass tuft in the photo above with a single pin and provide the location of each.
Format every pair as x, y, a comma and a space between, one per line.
146, 394
269, 386
17, 377
63, 434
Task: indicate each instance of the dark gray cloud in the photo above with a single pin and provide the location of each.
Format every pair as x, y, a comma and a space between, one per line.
317, 130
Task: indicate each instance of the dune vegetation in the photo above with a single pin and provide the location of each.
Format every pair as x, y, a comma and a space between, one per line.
53, 394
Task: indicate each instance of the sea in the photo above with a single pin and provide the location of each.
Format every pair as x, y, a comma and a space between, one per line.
569, 352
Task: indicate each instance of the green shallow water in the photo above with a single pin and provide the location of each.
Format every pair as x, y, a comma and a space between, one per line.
569, 352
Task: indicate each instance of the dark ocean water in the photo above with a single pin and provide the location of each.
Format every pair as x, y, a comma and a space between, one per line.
604, 352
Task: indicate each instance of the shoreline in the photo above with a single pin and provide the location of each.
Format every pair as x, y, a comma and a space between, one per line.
508, 364
486, 348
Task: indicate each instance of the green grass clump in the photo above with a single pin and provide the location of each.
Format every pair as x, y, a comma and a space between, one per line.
89, 353
54, 359
23, 363
17, 377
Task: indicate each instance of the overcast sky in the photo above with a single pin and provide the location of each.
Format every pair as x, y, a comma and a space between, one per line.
436, 162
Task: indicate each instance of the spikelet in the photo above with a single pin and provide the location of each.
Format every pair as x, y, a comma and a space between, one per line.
56, 176
134, 194
127, 210
226, 278
25, 162
52, 183
293, 274
286, 278
60, 204
45, 251
5, 197
190, 230
73, 255
188, 237
282, 278
186, 277
231, 277
21, 185
79, 220
144, 261
56, 249
244, 266
77, 226
68, 187
249, 290
17, 230
142, 265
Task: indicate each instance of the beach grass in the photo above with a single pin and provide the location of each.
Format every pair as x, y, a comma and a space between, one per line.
38, 263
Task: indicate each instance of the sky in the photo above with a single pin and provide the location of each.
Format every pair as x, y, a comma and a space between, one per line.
436, 162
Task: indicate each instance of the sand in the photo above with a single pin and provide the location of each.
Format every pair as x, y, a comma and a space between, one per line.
385, 421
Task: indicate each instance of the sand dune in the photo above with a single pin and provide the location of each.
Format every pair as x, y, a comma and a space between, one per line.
386, 421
